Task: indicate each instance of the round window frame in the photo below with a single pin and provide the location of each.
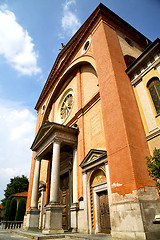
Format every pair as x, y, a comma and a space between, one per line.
69, 91
84, 50
43, 108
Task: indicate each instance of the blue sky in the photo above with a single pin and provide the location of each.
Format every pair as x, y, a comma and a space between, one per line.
31, 32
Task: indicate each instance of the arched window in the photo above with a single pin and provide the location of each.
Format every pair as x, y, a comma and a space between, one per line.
154, 89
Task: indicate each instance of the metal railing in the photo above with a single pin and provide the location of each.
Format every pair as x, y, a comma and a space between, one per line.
11, 224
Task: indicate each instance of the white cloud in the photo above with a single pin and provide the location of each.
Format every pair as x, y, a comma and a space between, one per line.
70, 22
17, 128
16, 46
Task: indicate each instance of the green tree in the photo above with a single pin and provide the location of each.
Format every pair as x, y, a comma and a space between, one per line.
16, 185
6, 209
153, 163
21, 210
12, 209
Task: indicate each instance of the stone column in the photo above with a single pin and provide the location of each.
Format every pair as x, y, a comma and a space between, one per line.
55, 173
41, 217
32, 220
34, 198
74, 205
53, 219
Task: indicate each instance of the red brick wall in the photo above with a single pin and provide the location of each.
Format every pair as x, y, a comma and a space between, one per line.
124, 133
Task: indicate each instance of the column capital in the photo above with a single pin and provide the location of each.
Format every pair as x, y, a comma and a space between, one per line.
74, 146
57, 140
38, 158
106, 162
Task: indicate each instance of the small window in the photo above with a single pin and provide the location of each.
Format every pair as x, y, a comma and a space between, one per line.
43, 108
86, 46
154, 89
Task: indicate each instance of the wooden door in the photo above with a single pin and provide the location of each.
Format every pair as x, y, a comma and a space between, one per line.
64, 199
104, 212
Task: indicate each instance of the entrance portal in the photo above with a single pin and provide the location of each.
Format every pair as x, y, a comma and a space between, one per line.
104, 212
99, 205
64, 199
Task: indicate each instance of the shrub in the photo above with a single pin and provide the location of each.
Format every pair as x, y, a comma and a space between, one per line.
21, 210
153, 163
6, 209
12, 209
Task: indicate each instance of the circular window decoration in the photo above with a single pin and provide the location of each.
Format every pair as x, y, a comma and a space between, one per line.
43, 108
66, 106
86, 46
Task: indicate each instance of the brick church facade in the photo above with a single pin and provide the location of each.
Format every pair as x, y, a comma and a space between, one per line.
93, 132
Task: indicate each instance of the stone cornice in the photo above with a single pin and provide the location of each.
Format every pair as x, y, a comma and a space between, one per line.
138, 77
154, 133
149, 59
67, 53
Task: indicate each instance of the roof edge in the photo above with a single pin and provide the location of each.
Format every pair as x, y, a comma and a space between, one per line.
101, 12
148, 50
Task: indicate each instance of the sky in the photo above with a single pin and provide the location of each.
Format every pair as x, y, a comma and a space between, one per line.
31, 33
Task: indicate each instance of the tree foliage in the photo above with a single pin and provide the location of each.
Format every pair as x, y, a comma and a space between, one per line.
21, 210
16, 185
12, 209
153, 163
6, 209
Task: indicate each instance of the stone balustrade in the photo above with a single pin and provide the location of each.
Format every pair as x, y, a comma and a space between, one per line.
11, 224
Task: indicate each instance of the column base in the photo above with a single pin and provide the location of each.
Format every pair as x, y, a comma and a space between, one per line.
31, 221
74, 217
24, 222
53, 219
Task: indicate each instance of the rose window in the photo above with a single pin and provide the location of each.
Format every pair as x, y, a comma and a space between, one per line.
66, 107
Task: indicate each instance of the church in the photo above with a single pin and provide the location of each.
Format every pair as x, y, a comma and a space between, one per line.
98, 117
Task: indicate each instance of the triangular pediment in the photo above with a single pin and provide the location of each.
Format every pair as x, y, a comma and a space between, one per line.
94, 156
48, 129
41, 133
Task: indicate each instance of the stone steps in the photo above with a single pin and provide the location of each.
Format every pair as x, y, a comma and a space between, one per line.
63, 236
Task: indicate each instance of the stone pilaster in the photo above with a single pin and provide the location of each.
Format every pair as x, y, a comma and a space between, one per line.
75, 172
74, 217
74, 205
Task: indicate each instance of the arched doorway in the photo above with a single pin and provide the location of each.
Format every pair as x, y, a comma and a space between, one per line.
99, 205
65, 191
